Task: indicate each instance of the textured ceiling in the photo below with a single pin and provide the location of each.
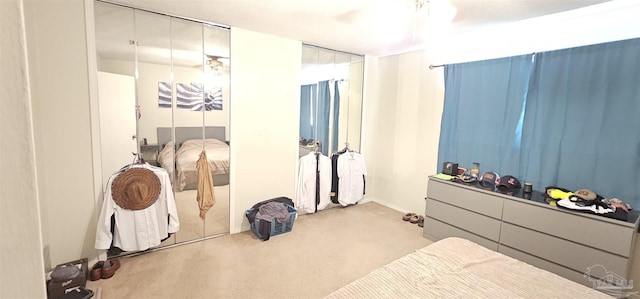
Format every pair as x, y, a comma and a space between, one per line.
371, 27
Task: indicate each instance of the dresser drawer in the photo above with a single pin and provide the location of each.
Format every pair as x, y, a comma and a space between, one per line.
571, 255
474, 200
478, 224
435, 230
576, 276
604, 235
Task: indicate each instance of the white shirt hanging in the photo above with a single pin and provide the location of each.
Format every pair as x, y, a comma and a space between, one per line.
136, 230
351, 171
306, 187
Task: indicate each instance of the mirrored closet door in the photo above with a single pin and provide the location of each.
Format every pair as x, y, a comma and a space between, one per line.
330, 101
164, 93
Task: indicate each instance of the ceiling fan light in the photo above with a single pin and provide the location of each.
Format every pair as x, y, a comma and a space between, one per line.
418, 5
442, 10
213, 62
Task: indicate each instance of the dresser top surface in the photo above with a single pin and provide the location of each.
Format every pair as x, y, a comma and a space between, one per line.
535, 197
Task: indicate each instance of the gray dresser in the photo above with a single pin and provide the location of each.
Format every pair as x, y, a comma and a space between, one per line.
564, 242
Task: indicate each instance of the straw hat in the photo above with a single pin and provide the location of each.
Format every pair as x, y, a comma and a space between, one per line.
135, 188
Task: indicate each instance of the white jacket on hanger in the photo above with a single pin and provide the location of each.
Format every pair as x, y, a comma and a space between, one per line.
351, 171
138, 229
306, 187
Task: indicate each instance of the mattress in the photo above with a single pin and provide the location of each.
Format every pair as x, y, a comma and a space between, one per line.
458, 268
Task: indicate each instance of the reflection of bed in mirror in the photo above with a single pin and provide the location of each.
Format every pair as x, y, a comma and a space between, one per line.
188, 146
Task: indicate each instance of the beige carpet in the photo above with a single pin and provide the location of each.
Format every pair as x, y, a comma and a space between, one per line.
324, 252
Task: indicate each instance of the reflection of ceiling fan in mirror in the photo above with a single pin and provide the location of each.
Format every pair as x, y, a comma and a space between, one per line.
215, 63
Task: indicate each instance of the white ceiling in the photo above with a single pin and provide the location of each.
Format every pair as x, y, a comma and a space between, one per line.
370, 27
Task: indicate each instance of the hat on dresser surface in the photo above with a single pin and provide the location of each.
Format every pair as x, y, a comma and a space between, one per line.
508, 183
489, 179
467, 178
136, 188
585, 194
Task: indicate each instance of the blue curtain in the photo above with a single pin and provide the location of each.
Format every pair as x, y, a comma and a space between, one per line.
482, 113
563, 118
581, 123
307, 112
336, 116
322, 123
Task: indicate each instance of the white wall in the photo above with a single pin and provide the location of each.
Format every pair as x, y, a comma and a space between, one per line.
401, 128
57, 49
265, 106
21, 256
404, 98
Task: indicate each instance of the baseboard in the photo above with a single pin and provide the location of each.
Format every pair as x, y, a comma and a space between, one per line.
389, 205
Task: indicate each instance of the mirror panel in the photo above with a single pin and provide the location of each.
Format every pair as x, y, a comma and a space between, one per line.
186, 48
308, 89
354, 91
115, 28
331, 100
216, 82
341, 109
156, 73
154, 92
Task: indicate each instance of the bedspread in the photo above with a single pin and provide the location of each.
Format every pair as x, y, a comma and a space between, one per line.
458, 268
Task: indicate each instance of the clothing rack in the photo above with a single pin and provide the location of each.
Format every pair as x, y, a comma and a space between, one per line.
346, 146
431, 66
137, 159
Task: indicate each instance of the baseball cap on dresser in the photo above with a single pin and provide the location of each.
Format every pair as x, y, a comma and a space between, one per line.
585, 194
508, 183
489, 179
467, 178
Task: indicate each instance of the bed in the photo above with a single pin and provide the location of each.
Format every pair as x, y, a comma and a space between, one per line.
188, 146
458, 268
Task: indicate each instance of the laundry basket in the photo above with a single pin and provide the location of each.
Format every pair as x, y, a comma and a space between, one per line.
277, 227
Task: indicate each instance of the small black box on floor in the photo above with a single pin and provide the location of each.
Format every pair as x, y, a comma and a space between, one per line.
57, 287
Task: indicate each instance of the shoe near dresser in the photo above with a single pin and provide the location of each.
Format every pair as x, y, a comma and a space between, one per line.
526, 228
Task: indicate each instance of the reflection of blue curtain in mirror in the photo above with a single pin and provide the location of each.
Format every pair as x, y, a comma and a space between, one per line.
336, 114
307, 102
324, 103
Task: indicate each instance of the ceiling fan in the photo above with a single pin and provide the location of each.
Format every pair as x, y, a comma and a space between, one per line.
401, 16
215, 63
